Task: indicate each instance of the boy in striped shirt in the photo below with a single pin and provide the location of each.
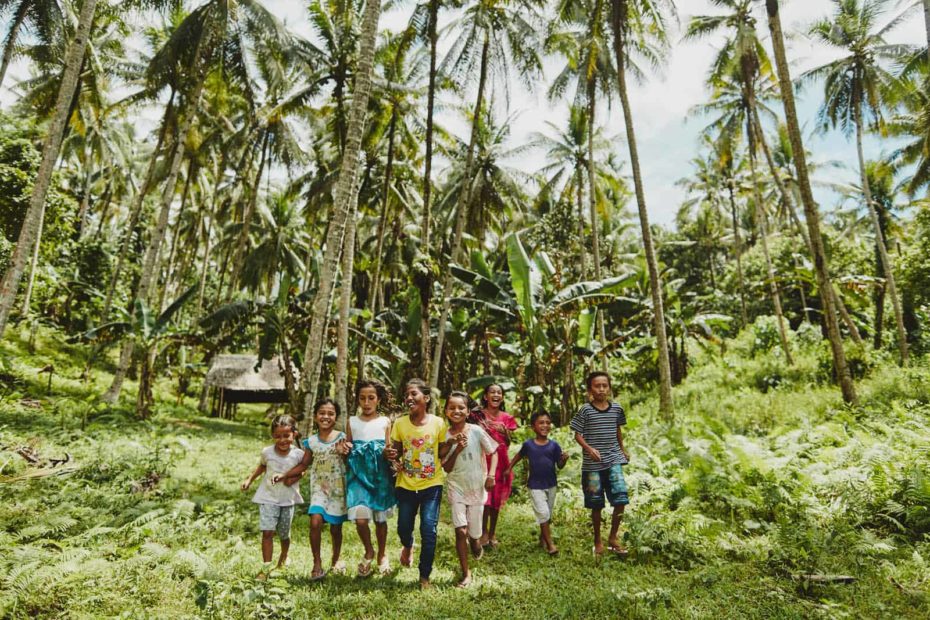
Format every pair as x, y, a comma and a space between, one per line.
598, 430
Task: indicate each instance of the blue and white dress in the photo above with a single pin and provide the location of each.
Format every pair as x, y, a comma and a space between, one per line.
370, 483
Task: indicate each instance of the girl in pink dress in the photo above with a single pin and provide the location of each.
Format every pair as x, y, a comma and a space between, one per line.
498, 424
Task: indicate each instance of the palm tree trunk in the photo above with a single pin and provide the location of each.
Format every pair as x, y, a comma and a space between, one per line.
379, 245
242, 241
749, 93
810, 207
33, 267
880, 241
150, 261
619, 16
343, 207
173, 252
582, 250
135, 211
427, 293
769, 269
926, 4
11, 38
50, 150
85, 202
738, 250
342, 334
461, 215
592, 206
793, 213
107, 200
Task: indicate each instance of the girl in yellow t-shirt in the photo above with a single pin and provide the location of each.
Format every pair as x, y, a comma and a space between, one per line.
418, 445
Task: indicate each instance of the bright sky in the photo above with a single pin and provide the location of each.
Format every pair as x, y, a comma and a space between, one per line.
668, 141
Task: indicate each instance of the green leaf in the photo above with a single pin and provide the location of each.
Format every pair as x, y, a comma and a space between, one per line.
585, 327
525, 280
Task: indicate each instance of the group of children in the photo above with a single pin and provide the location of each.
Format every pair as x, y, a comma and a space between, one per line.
374, 467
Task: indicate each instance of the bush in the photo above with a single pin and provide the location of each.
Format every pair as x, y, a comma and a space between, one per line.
859, 359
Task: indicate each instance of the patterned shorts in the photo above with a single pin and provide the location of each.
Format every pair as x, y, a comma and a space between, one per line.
276, 518
609, 482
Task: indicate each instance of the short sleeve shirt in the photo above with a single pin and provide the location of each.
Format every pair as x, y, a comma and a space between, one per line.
599, 429
465, 482
543, 460
420, 466
275, 464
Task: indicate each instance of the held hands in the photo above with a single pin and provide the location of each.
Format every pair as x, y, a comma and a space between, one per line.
489, 483
343, 447
564, 459
390, 453
461, 440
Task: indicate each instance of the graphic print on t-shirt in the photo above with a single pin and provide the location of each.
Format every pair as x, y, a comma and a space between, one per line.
419, 459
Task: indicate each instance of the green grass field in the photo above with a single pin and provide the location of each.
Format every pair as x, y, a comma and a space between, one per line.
746, 491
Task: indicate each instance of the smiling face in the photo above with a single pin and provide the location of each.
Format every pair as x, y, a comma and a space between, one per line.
283, 437
494, 395
542, 426
325, 417
415, 399
599, 391
368, 401
456, 410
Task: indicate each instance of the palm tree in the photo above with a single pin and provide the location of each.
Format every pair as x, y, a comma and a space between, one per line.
44, 17
853, 97
632, 21
344, 207
50, 150
492, 31
811, 216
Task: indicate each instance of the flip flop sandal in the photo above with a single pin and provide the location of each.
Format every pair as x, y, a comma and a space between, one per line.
384, 567
339, 568
314, 576
364, 568
618, 551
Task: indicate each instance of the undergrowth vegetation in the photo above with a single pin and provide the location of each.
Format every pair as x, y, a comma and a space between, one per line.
763, 490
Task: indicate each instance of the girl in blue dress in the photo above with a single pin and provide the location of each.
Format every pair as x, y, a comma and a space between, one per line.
370, 481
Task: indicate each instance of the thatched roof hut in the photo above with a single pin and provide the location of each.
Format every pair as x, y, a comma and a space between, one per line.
234, 379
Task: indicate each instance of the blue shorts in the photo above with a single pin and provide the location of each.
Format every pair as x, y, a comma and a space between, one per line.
610, 482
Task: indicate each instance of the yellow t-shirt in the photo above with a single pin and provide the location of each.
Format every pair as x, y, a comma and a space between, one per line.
421, 467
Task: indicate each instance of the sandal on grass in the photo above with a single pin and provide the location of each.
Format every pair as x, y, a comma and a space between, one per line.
384, 567
339, 568
364, 567
465, 582
317, 574
406, 557
618, 550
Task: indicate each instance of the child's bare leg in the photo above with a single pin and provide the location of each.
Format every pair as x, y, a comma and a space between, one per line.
461, 547
485, 526
316, 530
596, 522
381, 532
267, 545
615, 520
492, 525
285, 546
335, 532
546, 534
364, 534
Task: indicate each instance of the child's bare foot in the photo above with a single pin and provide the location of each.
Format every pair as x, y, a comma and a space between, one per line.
552, 550
614, 546
425, 584
317, 573
406, 554
465, 582
598, 549
384, 566
477, 551
338, 567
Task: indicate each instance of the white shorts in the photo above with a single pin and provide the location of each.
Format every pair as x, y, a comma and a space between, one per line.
468, 515
543, 503
364, 512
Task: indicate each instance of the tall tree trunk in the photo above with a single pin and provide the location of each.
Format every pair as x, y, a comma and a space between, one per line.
926, 4
172, 253
426, 294
33, 266
738, 250
619, 16
880, 241
342, 335
85, 201
150, 261
750, 95
106, 199
793, 213
11, 37
810, 208
343, 208
592, 206
461, 215
247, 216
135, 211
379, 244
50, 150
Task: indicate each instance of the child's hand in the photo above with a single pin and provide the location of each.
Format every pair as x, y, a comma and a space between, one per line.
462, 440
290, 480
594, 454
625, 454
563, 459
276, 479
390, 453
245, 485
343, 447
489, 483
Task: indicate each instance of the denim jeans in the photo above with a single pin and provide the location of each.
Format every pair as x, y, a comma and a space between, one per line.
427, 502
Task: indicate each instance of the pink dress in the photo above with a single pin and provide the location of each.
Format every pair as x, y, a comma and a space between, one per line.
503, 482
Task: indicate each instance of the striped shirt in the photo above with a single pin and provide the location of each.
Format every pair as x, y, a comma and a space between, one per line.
599, 429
